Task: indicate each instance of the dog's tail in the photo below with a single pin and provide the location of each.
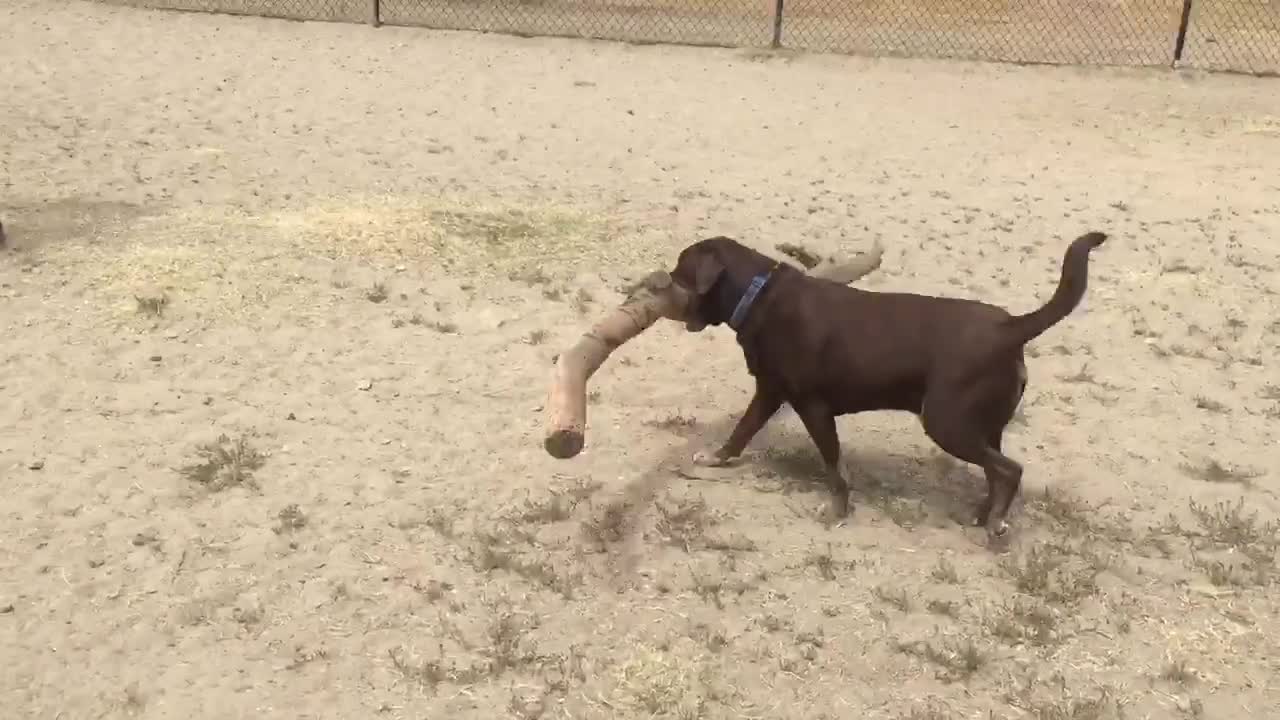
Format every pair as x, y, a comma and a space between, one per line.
1022, 329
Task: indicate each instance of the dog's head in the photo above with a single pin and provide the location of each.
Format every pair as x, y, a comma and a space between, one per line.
716, 272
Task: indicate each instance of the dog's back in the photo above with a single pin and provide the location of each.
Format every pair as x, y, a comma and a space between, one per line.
866, 350
875, 350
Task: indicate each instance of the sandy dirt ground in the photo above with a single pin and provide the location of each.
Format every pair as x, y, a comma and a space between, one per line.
352, 253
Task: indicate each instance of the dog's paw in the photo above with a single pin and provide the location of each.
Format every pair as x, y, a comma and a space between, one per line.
705, 458
835, 513
998, 536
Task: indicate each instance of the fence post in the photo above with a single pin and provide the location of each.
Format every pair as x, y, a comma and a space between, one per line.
375, 13
777, 25
1182, 32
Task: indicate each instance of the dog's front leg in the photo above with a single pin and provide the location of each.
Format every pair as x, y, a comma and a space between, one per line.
821, 424
764, 404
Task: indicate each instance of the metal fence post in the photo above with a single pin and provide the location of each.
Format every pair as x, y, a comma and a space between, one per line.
777, 25
1182, 32
375, 13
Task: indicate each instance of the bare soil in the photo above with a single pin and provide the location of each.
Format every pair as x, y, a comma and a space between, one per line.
280, 310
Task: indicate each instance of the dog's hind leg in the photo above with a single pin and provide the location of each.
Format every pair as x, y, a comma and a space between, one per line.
1004, 478
959, 434
821, 424
986, 506
983, 512
764, 405
1011, 472
1000, 495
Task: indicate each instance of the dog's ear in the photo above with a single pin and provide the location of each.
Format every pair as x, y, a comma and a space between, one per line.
707, 269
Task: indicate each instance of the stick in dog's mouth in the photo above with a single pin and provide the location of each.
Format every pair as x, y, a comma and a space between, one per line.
657, 296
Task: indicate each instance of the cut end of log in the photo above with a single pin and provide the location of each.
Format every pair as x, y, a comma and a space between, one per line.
564, 444
849, 271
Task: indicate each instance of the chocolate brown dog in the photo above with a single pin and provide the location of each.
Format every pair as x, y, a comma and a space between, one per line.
828, 350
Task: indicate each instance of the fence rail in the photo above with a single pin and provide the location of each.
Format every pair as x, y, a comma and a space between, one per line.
1231, 35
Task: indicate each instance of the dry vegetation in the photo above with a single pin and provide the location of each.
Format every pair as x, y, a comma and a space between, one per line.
274, 437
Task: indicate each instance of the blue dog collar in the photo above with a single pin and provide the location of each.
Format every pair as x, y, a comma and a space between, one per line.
744, 305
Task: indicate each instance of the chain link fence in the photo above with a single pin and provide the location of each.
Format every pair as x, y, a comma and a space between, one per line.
735, 23
1232, 35
1078, 32
359, 11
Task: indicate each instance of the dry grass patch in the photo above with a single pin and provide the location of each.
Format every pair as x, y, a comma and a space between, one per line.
1077, 518
225, 463
684, 522
195, 250
290, 519
1228, 525
377, 293
558, 506
1211, 471
1085, 376
897, 599
431, 672
713, 589
1178, 672
825, 563
508, 237
906, 514
582, 301
674, 423
1222, 573
536, 275
658, 683
444, 327
506, 647
929, 711
1104, 705
771, 623
945, 572
1211, 405
946, 608
152, 305
1230, 546
492, 552
1055, 573
956, 659
714, 639
1025, 621
511, 545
